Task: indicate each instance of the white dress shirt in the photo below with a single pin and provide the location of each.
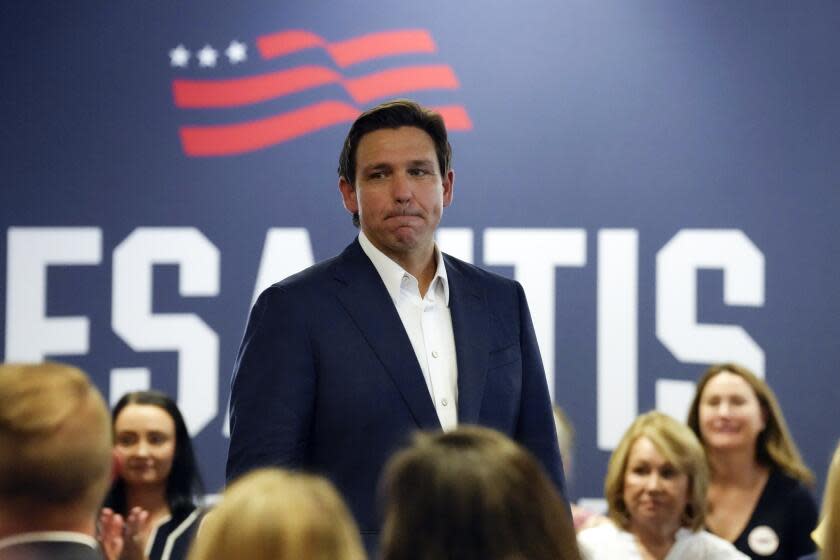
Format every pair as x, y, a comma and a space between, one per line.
428, 324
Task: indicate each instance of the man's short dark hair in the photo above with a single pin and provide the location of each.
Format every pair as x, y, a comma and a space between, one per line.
394, 114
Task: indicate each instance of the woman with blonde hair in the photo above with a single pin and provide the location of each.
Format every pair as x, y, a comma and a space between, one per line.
758, 496
272, 514
827, 535
655, 490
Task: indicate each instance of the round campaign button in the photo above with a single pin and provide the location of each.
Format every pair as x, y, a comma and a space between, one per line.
763, 540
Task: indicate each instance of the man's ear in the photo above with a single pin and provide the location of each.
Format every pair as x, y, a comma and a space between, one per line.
348, 195
448, 187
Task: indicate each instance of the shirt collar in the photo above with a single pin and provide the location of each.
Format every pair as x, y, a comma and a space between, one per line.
51, 536
392, 273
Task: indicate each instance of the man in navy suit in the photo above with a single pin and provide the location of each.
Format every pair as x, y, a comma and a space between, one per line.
343, 361
55, 462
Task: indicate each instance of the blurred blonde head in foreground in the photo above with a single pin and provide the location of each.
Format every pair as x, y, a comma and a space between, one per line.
829, 530
271, 514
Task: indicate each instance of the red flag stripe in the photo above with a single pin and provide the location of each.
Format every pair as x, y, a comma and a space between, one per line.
249, 136
455, 117
350, 51
287, 42
192, 94
223, 140
243, 91
378, 45
400, 80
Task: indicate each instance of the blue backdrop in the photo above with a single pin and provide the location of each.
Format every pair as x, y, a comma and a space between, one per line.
662, 177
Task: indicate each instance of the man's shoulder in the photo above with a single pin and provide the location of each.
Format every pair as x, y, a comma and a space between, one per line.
312, 275
49, 550
315, 276
477, 274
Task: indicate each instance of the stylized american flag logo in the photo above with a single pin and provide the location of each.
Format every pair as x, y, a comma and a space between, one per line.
241, 136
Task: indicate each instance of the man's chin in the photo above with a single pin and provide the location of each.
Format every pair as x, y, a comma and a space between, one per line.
403, 245
401, 241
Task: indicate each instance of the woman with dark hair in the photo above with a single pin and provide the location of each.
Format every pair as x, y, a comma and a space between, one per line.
472, 494
150, 512
758, 496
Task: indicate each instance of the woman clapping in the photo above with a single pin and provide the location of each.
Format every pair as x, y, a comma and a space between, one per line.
151, 511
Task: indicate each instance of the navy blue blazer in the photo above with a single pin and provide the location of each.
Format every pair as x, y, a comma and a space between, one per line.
326, 379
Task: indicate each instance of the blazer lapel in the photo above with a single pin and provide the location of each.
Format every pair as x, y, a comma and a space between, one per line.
367, 301
470, 324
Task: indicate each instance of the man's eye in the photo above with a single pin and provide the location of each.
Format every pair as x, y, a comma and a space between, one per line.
376, 175
418, 172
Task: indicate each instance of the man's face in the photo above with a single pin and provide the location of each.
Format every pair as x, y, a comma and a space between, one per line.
399, 192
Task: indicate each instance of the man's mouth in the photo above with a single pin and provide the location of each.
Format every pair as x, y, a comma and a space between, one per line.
402, 215
404, 220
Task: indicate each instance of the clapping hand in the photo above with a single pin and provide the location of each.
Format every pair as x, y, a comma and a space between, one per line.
124, 539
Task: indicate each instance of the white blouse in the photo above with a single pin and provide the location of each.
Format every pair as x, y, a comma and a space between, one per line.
608, 542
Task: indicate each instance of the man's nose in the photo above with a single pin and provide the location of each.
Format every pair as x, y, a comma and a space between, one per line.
401, 188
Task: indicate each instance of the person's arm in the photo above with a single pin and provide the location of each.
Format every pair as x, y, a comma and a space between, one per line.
273, 387
535, 429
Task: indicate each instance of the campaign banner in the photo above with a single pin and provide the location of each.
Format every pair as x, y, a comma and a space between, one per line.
663, 179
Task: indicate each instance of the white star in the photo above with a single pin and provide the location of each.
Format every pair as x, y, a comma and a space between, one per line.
236, 52
207, 56
179, 56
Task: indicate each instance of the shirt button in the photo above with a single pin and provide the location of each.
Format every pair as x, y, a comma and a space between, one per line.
435, 354
444, 402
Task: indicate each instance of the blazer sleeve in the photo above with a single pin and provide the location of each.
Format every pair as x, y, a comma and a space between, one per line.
273, 387
535, 428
